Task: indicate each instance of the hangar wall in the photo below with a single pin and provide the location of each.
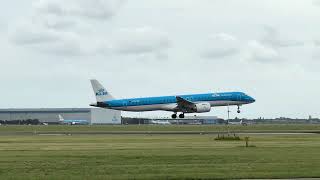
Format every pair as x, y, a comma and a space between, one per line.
50, 115
105, 116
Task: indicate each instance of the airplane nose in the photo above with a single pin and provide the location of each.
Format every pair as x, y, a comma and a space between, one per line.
250, 99
94, 104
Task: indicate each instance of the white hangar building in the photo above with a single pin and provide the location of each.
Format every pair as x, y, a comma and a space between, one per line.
51, 115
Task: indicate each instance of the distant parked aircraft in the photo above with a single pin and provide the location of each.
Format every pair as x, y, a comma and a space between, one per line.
237, 123
162, 122
72, 122
194, 103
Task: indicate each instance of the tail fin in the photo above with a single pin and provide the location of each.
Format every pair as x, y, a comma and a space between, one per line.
100, 92
61, 118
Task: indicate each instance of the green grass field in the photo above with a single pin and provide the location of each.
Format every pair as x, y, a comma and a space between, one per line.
159, 128
155, 156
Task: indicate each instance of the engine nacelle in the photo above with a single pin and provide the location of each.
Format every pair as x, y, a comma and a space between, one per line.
202, 107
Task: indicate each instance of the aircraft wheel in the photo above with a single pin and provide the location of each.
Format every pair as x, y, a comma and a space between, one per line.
181, 116
174, 116
238, 109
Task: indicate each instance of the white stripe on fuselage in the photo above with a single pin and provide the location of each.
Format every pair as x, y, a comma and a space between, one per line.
172, 106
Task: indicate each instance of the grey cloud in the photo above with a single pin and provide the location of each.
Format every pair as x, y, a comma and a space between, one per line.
221, 45
316, 2
29, 34
316, 50
259, 53
56, 22
220, 53
141, 41
3, 25
53, 28
316, 56
273, 38
268, 48
63, 48
94, 9
56, 31
130, 41
224, 45
47, 40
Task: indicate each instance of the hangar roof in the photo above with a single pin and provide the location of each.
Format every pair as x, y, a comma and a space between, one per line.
44, 110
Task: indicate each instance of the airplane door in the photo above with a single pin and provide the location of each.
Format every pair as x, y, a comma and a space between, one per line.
239, 97
125, 103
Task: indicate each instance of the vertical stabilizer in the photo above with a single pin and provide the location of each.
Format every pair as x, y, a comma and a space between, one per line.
60, 118
100, 92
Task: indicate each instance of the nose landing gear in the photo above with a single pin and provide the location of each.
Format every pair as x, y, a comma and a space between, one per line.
238, 111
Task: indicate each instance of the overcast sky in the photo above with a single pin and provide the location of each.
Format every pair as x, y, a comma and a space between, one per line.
269, 49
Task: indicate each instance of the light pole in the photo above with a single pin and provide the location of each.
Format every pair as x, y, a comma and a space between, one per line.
228, 113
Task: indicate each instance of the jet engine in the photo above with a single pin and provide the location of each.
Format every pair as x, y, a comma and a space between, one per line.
202, 107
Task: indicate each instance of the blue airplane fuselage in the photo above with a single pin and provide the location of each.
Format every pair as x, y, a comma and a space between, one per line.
75, 122
169, 103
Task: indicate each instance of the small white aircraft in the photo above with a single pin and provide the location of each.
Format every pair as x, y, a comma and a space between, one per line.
162, 122
237, 123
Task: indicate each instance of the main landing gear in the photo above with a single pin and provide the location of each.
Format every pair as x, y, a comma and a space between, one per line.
174, 116
181, 115
238, 111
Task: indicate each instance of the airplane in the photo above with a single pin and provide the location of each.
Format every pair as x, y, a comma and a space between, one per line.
237, 123
72, 122
160, 122
193, 103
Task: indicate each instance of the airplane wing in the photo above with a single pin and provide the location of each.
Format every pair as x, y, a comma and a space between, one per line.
185, 105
